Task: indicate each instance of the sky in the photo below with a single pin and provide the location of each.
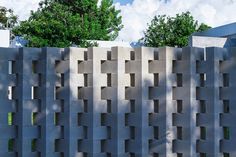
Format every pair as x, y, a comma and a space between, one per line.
123, 2
138, 13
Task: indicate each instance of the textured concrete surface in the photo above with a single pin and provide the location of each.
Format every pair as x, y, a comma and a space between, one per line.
118, 102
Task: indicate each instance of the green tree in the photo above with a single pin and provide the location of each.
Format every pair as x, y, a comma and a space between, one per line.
7, 18
61, 23
171, 31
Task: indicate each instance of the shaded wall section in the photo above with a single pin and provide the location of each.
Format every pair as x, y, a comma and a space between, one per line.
117, 102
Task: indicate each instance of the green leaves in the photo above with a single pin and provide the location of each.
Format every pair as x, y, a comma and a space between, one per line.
62, 23
7, 21
171, 31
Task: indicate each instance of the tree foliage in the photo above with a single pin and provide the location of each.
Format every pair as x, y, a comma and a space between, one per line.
171, 31
7, 18
62, 23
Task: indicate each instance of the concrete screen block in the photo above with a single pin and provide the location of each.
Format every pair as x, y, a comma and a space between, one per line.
118, 102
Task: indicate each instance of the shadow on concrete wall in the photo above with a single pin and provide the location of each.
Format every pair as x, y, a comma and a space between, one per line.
55, 124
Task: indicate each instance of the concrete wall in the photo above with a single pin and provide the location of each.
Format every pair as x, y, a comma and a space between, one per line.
118, 102
4, 38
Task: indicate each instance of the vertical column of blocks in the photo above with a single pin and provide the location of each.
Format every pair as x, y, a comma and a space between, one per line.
74, 109
147, 108
179, 102
168, 132
208, 97
101, 130
227, 107
156, 99
134, 97
52, 130
184, 101
84, 95
27, 103
109, 95
8, 103
120, 105
133, 93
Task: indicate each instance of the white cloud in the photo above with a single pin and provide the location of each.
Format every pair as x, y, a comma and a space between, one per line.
140, 12
21, 8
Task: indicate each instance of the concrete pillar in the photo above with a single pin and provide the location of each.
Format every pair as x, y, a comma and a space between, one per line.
51, 130
8, 131
213, 57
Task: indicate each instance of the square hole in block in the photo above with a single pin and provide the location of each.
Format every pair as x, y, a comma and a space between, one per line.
132, 80
203, 155
108, 55
109, 132
80, 92
85, 55
150, 116
10, 92
79, 120
57, 63
226, 155
132, 55
156, 106
10, 118
226, 133
56, 92
126, 119
85, 132
203, 133
34, 66
11, 145
109, 81
103, 119
85, 105
179, 133
56, 145
226, 107
34, 92
180, 155
56, 118
202, 106
109, 106
156, 132
226, 80
11, 66
179, 106
33, 145
132, 132
156, 55
174, 66
202, 79
179, 79
126, 146
85, 80
103, 146
156, 79
62, 80
132, 106
34, 118
79, 69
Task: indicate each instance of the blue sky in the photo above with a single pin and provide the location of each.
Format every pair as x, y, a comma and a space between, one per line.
123, 2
